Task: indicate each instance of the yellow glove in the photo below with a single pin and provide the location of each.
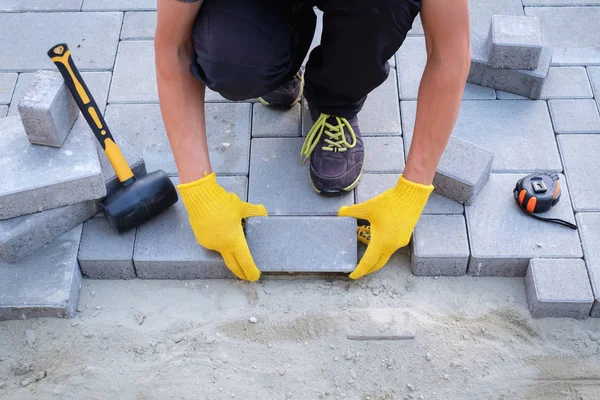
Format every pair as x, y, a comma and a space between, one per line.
393, 216
216, 218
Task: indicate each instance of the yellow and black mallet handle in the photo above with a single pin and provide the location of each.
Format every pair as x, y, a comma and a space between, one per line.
61, 57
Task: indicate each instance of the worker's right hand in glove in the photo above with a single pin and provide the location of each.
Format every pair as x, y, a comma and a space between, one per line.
216, 218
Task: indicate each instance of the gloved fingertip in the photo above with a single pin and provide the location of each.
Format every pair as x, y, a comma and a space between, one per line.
255, 210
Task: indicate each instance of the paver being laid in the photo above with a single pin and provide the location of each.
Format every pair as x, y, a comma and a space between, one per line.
503, 238
440, 246
383, 154
139, 25
134, 159
302, 245
588, 224
21, 236
271, 122
561, 83
558, 288
380, 114
55, 177
514, 42
280, 182
575, 116
166, 248
134, 77
580, 155
104, 254
40, 5
7, 86
93, 39
508, 128
45, 284
48, 110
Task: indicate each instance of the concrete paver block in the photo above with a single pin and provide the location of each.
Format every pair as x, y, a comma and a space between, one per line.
3, 111
134, 159
92, 37
280, 182
271, 122
380, 114
374, 184
118, 5
39, 5
560, 2
594, 73
589, 230
305, 244
21, 236
134, 76
440, 246
503, 238
575, 116
54, 177
45, 284
384, 154
580, 155
514, 42
227, 127
104, 254
508, 128
48, 110
561, 83
558, 288
166, 248
7, 86
139, 25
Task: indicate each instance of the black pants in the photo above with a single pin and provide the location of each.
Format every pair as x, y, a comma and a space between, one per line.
248, 48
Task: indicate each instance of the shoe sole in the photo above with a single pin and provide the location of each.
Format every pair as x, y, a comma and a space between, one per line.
296, 100
337, 193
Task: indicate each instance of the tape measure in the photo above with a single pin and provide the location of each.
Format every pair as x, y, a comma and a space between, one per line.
538, 193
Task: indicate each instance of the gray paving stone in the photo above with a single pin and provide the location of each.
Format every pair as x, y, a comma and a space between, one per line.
372, 185
503, 238
303, 248
271, 122
134, 159
21, 236
55, 177
227, 126
280, 182
134, 77
40, 5
7, 85
440, 246
3, 111
48, 110
45, 284
561, 83
572, 33
380, 114
139, 25
580, 155
92, 38
575, 116
508, 128
558, 288
594, 74
417, 27
589, 230
104, 254
118, 5
560, 2
384, 154
481, 12
166, 248
514, 42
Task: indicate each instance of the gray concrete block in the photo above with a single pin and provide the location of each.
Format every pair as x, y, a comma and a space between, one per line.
572, 32
139, 25
134, 159
54, 177
440, 246
508, 128
560, 2
7, 86
3, 111
21, 236
118, 5
280, 182
589, 230
272, 122
380, 114
134, 76
48, 110
166, 248
374, 184
561, 83
514, 42
45, 284
40, 5
575, 116
594, 74
503, 238
384, 154
104, 254
93, 39
227, 127
580, 155
558, 288
303, 247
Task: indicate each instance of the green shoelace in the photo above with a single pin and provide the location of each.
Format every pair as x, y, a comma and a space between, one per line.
335, 140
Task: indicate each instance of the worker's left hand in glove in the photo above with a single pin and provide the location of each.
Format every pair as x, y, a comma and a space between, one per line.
216, 218
393, 216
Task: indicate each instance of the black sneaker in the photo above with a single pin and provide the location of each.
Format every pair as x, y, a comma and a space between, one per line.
287, 95
336, 153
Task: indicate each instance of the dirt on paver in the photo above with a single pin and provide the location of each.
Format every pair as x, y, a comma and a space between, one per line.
286, 338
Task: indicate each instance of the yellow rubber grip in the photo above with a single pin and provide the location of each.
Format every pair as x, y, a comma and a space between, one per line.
117, 160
